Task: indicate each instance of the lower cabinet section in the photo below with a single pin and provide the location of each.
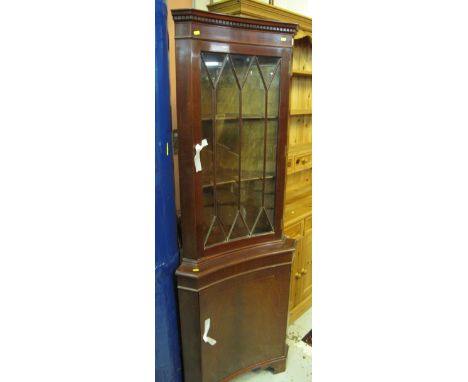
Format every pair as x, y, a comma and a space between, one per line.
300, 295
234, 316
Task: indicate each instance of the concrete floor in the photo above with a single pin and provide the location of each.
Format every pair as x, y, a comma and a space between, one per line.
299, 362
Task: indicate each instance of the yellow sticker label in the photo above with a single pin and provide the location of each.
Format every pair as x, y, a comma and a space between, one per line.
167, 149
283, 38
195, 270
196, 33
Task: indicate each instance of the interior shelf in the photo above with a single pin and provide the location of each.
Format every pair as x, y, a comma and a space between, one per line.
301, 112
224, 117
302, 73
235, 180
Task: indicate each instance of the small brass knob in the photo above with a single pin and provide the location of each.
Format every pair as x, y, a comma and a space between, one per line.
303, 271
297, 275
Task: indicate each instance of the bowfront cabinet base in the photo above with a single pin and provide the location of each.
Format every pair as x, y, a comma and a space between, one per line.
233, 312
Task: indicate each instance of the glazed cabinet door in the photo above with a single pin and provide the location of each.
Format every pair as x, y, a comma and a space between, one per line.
240, 117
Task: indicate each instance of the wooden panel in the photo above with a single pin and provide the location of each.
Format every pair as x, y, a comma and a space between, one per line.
302, 56
294, 231
296, 127
307, 130
298, 185
296, 282
304, 73
308, 223
302, 162
237, 309
297, 211
306, 270
300, 309
189, 307
301, 95
173, 4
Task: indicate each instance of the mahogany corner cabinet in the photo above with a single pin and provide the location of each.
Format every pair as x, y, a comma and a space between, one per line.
233, 77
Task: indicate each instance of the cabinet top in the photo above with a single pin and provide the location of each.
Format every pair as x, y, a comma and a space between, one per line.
184, 15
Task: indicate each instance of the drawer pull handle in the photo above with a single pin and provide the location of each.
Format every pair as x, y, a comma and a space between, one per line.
297, 275
303, 271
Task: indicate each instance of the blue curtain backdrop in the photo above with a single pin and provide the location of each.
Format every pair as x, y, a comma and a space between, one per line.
168, 361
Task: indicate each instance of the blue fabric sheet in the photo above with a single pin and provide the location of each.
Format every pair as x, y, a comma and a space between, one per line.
168, 358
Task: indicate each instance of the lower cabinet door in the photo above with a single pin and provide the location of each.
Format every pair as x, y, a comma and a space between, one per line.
243, 322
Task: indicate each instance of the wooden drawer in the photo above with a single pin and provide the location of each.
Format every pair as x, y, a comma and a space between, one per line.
302, 161
308, 223
293, 231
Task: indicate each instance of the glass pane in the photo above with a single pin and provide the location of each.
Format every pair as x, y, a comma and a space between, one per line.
208, 209
251, 201
227, 151
216, 234
206, 94
239, 228
227, 93
253, 94
268, 67
253, 141
214, 63
227, 197
206, 155
271, 145
263, 223
241, 64
273, 95
270, 176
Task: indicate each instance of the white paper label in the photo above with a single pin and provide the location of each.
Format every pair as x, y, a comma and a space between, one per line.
207, 339
196, 159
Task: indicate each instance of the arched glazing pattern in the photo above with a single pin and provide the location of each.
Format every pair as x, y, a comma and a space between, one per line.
240, 103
